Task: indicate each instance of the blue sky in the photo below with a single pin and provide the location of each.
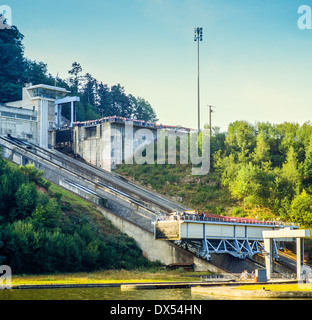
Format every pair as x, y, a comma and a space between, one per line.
255, 62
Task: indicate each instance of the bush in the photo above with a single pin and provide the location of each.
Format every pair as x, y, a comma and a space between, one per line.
46, 232
238, 212
301, 209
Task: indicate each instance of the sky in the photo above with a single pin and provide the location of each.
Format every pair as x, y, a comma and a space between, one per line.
255, 63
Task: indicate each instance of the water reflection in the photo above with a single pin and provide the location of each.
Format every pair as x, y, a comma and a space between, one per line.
100, 294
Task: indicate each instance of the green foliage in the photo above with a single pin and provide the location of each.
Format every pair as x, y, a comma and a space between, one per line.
46, 231
12, 76
301, 209
274, 173
307, 167
257, 170
26, 200
97, 99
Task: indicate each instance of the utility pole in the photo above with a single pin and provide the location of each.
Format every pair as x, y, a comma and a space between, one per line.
210, 123
198, 37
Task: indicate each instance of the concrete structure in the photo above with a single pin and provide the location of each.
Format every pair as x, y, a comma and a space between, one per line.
234, 292
58, 110
110, 141
123, 210
205, 235
34, 118
19, 122
106, 142
287, 233
163, 251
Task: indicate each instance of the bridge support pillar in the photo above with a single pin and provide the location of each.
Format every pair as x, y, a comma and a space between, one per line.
285, 233
268, 246
300, 256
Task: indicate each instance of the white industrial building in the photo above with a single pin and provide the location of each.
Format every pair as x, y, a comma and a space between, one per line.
35, 116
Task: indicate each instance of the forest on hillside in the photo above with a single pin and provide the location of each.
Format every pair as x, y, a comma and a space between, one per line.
45, 229
260, 170
97, 99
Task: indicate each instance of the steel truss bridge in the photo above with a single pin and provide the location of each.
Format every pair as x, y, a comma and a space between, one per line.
202, 235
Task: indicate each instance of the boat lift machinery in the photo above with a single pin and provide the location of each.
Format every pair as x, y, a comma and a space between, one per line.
207, 234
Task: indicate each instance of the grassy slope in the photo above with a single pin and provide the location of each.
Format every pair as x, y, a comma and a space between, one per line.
176, 181
72, 204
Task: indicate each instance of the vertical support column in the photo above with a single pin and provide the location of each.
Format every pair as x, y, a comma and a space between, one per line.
300, 256
75, 112
269, 257
53, 138
44, 123
72, 114
59, 116
56, 116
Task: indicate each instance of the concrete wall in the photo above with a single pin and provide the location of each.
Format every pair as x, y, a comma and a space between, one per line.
108, 144
154, 250
38, 130
13, 122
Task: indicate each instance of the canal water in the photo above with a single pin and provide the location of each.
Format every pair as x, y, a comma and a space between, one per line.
101, 294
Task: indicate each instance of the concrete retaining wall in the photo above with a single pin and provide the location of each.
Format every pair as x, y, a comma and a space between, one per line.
154, 250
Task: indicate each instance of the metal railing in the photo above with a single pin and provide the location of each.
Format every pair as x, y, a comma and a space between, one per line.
221, 219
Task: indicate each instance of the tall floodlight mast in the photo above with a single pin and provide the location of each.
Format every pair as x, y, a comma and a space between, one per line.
198, 37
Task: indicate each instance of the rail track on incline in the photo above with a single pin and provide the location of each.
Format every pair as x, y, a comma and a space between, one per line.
124, 197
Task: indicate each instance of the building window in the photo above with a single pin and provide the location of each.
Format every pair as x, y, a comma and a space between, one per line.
22, 116
46, 93
8, 114
18, 116
90, 132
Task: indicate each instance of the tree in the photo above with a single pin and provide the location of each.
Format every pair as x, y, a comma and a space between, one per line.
12, 62
48, 213
301, 209
37, 73
251, 185
121, 102
31, 173
216, 141
26, 200
307, 169
289, 134
88, 92
74, 80
105, 104
240, 140
91, 113
261, 154
10, 181
142, 110
290, 171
